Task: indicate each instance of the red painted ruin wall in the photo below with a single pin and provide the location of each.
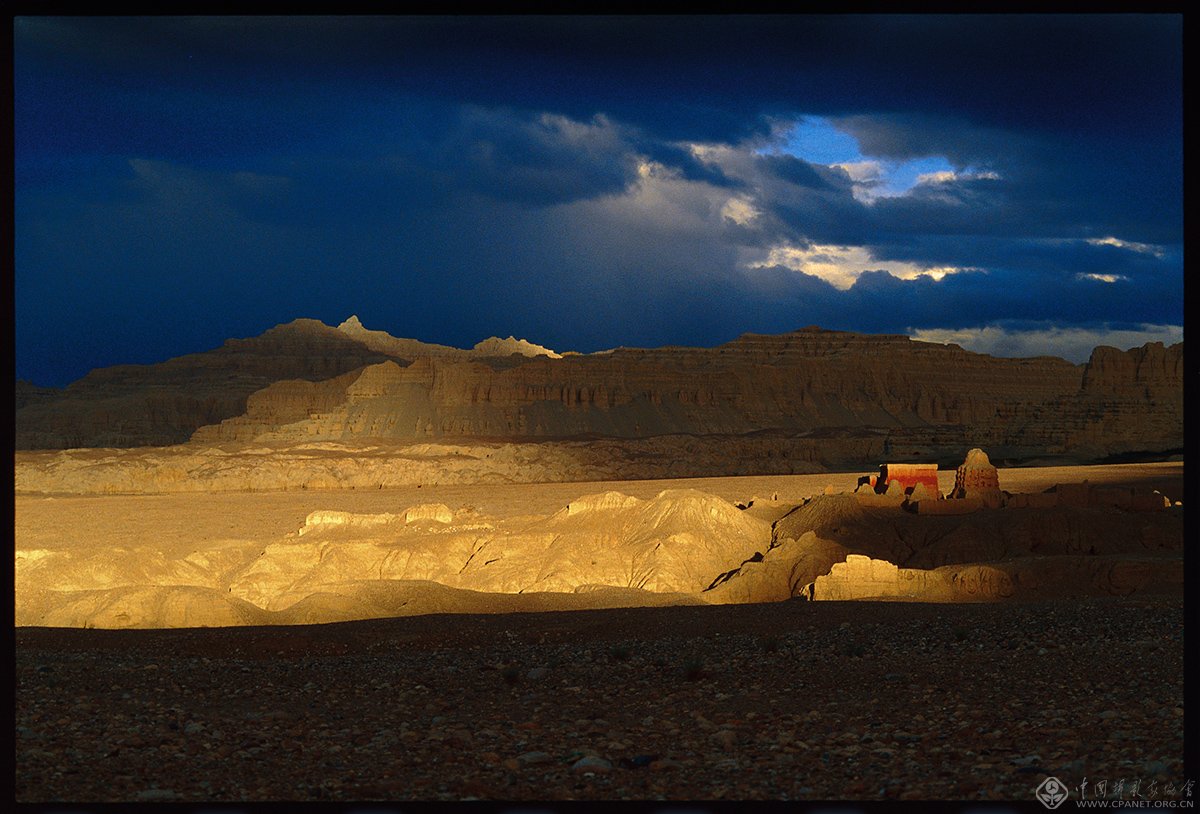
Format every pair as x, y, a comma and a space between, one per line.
910, 475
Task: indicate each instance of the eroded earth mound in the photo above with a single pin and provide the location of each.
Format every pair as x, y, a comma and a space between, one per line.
599, 548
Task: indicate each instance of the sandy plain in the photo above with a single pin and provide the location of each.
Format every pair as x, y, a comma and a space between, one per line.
179, 520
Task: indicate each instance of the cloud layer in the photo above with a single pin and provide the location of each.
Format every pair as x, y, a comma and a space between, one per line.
593, 182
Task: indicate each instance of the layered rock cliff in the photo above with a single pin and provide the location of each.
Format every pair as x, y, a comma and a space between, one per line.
140, 405
1128, 401
800, 382
26, 393
349, 383
150, 405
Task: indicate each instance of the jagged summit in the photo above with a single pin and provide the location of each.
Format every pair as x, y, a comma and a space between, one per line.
494, 346
384, 342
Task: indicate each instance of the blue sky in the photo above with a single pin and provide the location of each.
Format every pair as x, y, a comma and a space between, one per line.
1012, 183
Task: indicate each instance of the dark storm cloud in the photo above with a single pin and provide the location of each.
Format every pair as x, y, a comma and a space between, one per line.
1066, 259
586, 182
1048, 182
795, 171
540, 160
707, 77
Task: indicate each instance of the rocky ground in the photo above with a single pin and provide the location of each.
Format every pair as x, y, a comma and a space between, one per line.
785, 701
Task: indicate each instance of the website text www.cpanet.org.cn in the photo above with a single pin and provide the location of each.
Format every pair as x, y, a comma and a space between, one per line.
1121, 793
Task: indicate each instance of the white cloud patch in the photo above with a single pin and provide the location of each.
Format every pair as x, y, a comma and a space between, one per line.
709, 153
1072, 344
940, 177
1144, 248
1102, 278
862, 172
740, 210
950, 176
646, 169
840, 266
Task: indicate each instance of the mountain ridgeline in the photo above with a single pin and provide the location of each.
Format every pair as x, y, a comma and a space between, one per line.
306, 381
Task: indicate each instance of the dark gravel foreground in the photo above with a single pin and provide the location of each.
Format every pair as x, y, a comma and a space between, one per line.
789, 702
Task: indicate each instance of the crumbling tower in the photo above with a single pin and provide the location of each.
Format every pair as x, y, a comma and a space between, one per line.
976, 477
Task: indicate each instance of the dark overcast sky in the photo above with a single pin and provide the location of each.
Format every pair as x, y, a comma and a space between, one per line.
1012, 183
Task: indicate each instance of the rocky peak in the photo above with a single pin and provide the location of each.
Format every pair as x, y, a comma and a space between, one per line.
495, 346
383, 342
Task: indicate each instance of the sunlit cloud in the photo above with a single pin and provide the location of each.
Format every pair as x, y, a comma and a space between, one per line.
950, 176
740, 210
1144, 248
711, 153
1103, 278
862, 172
647, 169
841, 266
939, 177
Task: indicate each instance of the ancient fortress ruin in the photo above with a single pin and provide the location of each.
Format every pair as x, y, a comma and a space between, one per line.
977, 486
914, 488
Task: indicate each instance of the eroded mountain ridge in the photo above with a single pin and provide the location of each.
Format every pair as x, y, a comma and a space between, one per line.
306, 381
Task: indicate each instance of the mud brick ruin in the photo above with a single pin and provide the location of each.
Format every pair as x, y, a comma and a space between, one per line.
977, 486
902, 479
976, 477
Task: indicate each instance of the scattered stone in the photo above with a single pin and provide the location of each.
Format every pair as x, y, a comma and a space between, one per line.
727, 738
906, 707
665, 765
591, 764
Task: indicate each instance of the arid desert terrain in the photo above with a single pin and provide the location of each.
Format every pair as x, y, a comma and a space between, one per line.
308, 556
466, 575
518, 697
